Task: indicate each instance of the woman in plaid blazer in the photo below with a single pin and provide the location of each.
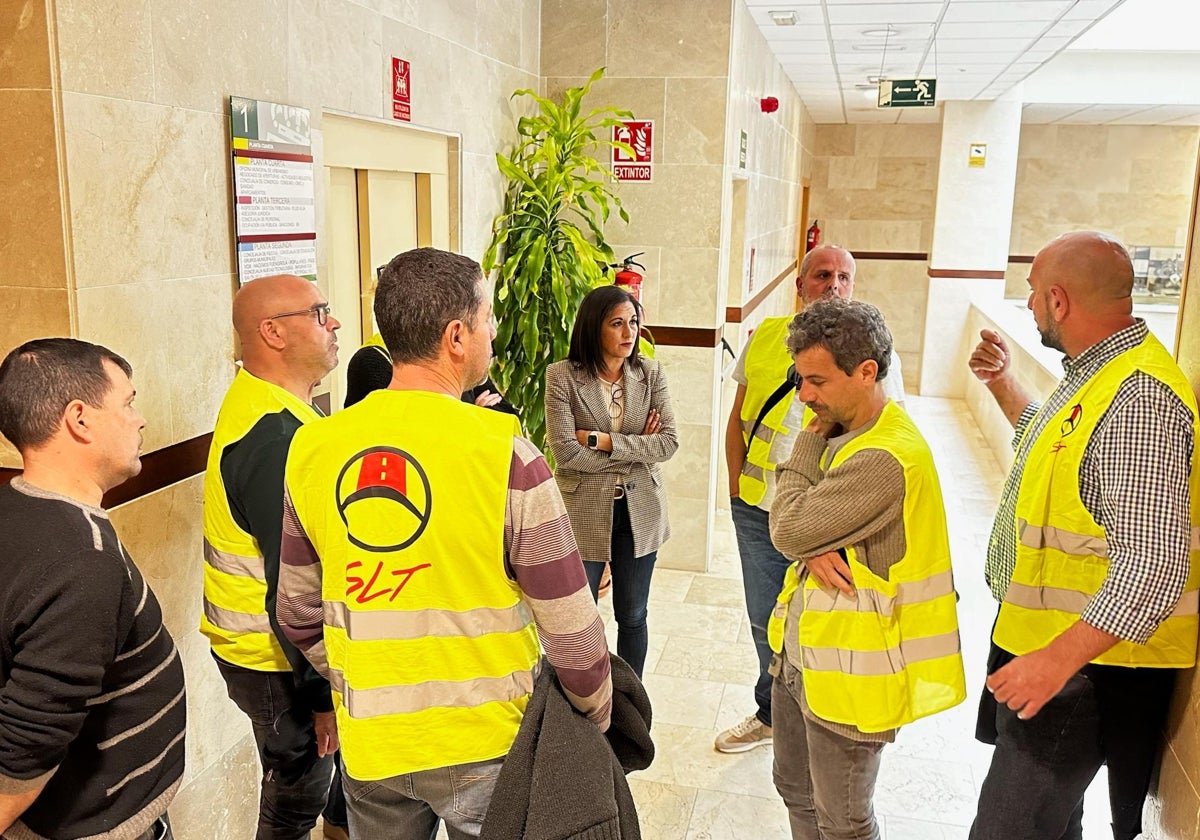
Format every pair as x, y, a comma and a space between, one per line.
609, 424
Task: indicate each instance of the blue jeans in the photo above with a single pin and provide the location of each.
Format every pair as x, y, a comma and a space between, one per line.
763, 572
630, 589
407, 807
297, 786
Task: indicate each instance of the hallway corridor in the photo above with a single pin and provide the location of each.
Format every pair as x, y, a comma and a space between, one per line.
700, 673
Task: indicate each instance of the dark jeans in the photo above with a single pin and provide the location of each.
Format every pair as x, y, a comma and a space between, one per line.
630, 589
763, 571
411, 806
297, 786
1042, 766
161, 830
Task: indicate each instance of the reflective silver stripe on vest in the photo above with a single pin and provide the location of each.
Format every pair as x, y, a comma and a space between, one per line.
381, 625
1047, 536
753, 471
1075, 602
234, 564
234, 621
763, 432
871, 601
408, 699
880, 663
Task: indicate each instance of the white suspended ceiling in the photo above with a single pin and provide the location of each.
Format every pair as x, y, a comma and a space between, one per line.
976, 49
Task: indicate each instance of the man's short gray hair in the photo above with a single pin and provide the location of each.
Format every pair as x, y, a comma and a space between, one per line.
852, 332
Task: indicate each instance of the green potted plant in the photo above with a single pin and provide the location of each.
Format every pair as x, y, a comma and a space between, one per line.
548, 248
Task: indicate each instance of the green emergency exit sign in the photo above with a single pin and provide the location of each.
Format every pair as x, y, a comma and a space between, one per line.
907, 93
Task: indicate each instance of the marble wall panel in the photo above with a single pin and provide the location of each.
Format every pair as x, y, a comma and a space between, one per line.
691, 531
104, 53
570, 43
1153, 142
150, 191
695, 120
680, 207
28, 313
242, 48
498, 30
1175, 807
906, 140
835, 140
899, 289
32, 249
688, 281
335, 56
25, 45
671, 38
853, 173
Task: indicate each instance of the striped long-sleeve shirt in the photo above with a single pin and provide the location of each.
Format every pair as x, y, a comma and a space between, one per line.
540, 556
91, 687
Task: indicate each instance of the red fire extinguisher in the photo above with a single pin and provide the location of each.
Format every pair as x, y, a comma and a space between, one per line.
628, 278
814, 237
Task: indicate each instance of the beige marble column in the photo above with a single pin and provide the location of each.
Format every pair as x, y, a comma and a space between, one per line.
1174, 807
34, 296
971, 226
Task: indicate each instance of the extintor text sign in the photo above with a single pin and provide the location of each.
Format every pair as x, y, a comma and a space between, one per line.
639, 135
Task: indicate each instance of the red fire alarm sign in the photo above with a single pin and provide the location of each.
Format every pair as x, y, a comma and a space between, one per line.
401, 90
639, 135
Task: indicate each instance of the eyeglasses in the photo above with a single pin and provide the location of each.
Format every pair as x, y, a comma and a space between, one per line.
321, 310
614, 407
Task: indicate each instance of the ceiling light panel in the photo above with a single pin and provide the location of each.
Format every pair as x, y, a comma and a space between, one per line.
805, 16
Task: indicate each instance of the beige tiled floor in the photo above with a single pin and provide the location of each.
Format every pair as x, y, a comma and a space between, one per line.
701, 668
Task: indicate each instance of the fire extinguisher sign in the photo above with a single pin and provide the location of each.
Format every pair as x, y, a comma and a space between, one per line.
639, 135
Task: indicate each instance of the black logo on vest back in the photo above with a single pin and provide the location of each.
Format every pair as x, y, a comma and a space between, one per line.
384, 498
1072, 420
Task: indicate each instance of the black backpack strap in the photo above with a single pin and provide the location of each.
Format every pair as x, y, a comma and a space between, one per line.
772, 401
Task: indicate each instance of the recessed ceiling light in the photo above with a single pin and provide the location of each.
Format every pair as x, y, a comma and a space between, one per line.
785, 18
879, 48
881, 31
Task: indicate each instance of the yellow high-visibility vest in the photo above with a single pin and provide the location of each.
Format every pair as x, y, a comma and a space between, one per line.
235, 587
890, 654
767, 363
1062, 552
431, 649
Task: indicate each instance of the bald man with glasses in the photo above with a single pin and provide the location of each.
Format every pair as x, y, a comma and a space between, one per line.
289, 343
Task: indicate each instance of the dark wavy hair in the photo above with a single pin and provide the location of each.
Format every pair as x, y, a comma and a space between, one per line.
852, 332
587, 352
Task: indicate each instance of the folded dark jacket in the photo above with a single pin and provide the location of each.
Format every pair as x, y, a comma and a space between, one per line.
565, 780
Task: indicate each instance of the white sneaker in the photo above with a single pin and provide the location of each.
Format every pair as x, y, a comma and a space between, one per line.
743, 736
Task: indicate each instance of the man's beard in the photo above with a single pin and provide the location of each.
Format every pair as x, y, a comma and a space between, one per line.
1050, 337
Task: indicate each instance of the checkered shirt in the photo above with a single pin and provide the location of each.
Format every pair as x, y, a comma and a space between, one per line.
1133, 481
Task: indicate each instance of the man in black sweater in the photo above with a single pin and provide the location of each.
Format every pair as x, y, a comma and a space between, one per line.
92, 708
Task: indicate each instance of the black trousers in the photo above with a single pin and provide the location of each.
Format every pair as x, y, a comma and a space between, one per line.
1042, 766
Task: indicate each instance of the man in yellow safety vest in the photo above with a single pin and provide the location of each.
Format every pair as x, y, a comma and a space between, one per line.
1092, 554
426, 550
866, 627
762, 425
288, 341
